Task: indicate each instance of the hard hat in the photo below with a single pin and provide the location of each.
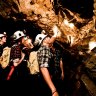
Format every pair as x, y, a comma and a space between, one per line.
3, 34
39, 38
18, 34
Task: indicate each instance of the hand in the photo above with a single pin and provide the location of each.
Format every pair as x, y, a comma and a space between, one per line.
55, 30
55, 93
15, 64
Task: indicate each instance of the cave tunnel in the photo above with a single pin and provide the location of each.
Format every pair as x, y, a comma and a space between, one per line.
71, 62
10, 26
83, 7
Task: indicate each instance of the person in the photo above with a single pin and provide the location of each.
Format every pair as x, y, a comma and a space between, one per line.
3, 38
44, 57
18, 62
58, 71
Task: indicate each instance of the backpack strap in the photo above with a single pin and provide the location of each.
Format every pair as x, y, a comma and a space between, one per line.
33, 63
5, 58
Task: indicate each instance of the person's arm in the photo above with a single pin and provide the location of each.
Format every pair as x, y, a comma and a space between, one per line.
22, 57
17, 61
48, 80
55, 32
62, 69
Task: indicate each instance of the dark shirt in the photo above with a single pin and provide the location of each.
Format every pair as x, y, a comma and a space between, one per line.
27, 52
57, 56
15, 52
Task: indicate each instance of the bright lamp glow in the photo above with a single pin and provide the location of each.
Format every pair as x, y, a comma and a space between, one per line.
66, 22
71, 25
29, 41
92, 45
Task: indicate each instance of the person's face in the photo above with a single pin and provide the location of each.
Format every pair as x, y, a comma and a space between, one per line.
3, 39
27, 42
47, 39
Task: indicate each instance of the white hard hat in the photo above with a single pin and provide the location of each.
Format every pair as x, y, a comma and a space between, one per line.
3, 34
18, 34
39, 38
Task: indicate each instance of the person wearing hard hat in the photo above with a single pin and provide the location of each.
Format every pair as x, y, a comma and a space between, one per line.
44, 57
17, 57
2, 41
3, 38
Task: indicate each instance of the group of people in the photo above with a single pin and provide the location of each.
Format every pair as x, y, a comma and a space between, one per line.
46, 82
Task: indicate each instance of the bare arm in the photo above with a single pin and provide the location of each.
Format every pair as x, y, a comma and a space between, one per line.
22, 57
62, 69
55, 31
48, 80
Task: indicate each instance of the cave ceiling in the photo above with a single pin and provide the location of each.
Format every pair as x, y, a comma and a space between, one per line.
35, 15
